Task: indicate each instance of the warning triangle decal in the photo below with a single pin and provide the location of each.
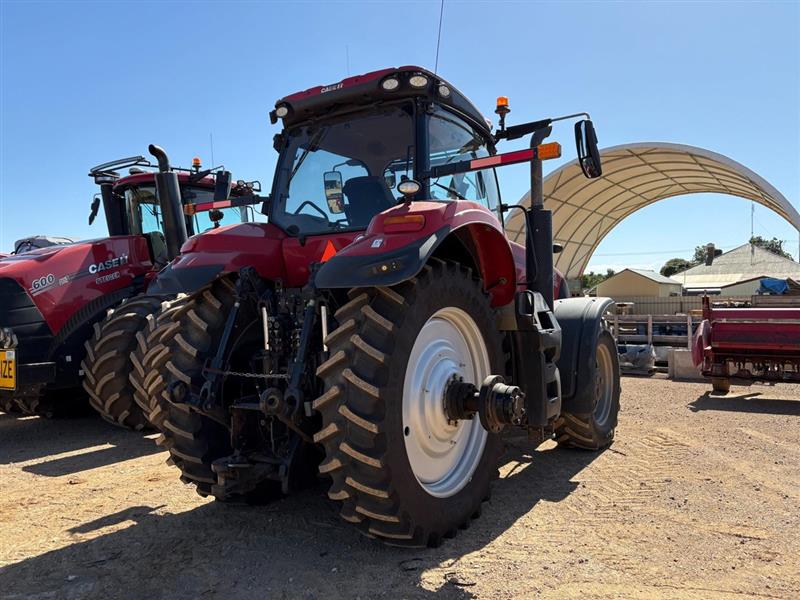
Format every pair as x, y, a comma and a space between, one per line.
329, 251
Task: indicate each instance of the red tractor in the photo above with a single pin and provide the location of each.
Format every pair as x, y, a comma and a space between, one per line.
380, 328
72, 311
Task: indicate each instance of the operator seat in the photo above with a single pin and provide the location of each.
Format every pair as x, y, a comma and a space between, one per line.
158, 247
366, 197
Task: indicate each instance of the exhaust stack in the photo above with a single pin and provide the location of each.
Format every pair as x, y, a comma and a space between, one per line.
169, 198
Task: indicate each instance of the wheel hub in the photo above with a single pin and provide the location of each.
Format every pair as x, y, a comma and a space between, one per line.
497, 404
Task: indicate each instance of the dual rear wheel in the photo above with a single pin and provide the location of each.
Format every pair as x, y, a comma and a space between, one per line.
108, 365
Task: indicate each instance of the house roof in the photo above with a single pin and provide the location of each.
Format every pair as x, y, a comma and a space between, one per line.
745, 263
653, 275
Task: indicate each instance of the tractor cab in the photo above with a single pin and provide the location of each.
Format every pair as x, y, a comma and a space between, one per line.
357, 148
133, 205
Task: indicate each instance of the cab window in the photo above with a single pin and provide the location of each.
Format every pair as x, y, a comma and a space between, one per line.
144, 214
338, 174
452, 139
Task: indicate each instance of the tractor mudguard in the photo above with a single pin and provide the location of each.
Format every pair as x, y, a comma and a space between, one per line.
188, 280
581, 320
381, 270
392, 250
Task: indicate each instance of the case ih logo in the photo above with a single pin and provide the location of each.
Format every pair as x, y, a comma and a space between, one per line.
111, 263
331, 88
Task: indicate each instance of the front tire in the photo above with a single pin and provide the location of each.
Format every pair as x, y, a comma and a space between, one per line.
595, 430
8, 404
721, 385
107, 365
40, 401
402, 472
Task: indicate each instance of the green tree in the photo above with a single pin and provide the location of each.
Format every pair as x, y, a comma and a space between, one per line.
700, 252
591, 279
774, 245
675, 265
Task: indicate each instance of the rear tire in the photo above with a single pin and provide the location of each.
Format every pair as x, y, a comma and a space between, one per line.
404, 474
149, 339
108, 362
595, 430
173, 348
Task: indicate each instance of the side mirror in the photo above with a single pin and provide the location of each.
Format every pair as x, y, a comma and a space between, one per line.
588, 153
215, 215
95, 208
334, 191
222, 186
390, 178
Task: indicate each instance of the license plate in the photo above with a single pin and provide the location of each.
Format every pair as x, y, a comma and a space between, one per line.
8, 370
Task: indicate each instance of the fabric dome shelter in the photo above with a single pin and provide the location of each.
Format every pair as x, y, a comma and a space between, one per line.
635, 176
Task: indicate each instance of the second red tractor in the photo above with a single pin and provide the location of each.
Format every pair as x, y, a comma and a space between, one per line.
69, 313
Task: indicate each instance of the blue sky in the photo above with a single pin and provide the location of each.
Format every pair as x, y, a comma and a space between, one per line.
86, 82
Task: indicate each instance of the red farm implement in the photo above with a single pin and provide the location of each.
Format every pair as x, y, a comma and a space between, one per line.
748, 344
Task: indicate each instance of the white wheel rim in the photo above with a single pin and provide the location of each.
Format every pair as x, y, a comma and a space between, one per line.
604, 385
443, 455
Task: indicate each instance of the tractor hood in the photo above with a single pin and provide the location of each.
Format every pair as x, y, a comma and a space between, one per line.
268, 249
61, 279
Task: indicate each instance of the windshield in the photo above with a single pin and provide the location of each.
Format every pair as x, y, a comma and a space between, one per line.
144, 211
338, 175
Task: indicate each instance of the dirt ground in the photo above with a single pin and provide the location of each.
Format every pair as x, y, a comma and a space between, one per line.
699, 497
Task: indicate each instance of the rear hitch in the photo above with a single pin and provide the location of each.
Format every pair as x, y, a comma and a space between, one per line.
274, 403
496, 403
180, 393
237, 476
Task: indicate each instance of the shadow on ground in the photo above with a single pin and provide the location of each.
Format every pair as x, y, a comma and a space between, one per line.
747, 402
296, 547
25, 438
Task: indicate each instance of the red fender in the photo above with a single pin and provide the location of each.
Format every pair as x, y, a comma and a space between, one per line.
399, 241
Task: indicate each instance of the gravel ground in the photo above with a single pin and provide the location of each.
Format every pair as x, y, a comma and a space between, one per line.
698, 498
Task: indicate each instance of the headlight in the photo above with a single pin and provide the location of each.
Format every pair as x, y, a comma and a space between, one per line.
418, 81
281, 111
390, 84
409, 187
444, 91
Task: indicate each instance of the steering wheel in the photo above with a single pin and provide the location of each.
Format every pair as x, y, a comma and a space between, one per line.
315, 207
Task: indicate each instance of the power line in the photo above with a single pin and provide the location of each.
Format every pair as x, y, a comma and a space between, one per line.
438, 38
655, 253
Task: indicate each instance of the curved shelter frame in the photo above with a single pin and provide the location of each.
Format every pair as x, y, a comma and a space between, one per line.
635, 176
